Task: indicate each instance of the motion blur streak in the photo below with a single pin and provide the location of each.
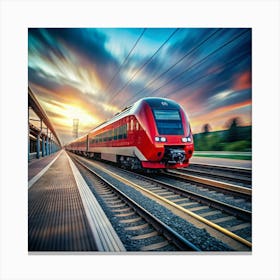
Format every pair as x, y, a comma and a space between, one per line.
75, 73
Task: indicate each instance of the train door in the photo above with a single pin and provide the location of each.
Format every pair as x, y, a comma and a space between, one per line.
135, 131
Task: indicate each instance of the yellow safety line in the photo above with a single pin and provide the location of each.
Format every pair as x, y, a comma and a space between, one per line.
201, 219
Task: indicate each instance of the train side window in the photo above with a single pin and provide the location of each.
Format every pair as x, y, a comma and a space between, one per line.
131, 125
120, 135
115, 134
126, 127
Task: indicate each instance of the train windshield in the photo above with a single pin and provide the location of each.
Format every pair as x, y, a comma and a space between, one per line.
168, 122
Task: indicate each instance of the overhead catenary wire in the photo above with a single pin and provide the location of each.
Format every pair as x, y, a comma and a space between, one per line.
144, 64
216, 71
199, 62
181, 59
126, 58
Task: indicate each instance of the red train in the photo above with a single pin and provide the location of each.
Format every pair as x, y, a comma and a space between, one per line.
152, 133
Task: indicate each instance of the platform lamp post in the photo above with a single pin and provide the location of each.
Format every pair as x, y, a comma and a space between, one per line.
50, 143
38, 148
43, 145
47, 142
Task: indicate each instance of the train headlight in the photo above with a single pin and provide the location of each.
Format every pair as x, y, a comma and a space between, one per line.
186, 139
160, 139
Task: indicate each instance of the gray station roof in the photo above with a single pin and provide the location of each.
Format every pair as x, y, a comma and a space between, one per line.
35, 105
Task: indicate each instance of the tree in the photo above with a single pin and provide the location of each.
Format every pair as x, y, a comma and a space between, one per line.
233, 132
206, 128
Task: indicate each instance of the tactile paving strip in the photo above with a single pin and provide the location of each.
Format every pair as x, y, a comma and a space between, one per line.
56, 217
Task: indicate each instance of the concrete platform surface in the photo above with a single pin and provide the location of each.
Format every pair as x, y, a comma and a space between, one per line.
56, 216
36, 165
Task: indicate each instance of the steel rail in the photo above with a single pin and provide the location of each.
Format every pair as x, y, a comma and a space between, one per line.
244, 170
176, 206
170, 234
227, 176
230, 209
210, 182
106, 238
237, 174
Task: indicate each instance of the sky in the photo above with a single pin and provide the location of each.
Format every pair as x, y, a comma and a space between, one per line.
90, 74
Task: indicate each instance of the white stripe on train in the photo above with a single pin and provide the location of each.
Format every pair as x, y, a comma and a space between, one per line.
131, 151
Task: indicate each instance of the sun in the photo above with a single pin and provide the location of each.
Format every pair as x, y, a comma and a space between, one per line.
65, 113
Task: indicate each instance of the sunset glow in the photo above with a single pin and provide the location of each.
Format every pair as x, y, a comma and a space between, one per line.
91, 74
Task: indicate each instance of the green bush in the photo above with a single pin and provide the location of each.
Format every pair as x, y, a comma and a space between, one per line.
239, 146
218, 141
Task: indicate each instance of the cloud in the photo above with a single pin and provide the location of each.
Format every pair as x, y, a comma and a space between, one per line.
243, 81
74, 66
72, 55
221, 115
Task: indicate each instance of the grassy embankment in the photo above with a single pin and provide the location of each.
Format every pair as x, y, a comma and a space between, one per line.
225, 144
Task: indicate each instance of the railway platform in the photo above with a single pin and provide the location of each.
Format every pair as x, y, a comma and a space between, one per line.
63, 215
222, 162
36, 167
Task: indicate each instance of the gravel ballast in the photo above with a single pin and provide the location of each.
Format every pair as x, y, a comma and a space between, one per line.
199, 237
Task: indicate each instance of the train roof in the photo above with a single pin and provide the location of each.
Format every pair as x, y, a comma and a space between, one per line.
154, 102
162, 103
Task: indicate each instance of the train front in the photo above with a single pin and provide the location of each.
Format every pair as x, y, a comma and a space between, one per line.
170, 133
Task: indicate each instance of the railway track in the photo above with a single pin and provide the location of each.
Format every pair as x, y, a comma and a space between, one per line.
241, 196
138, 229
238, 176
233, 222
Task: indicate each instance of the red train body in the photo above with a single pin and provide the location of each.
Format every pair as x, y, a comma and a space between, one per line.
153, 133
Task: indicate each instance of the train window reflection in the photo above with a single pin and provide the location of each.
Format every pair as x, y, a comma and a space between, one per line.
168, 122
167, 115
